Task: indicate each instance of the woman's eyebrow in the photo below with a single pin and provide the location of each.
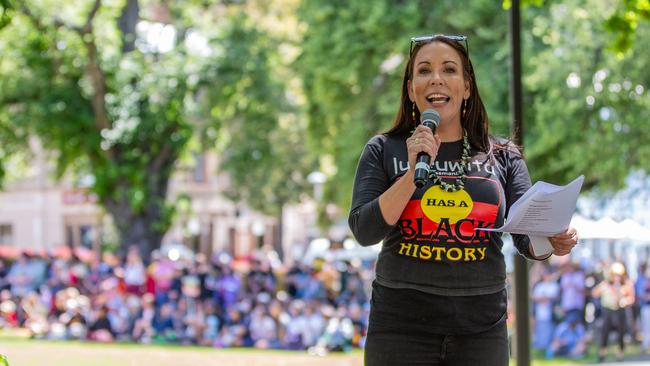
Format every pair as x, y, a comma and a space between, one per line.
444, 62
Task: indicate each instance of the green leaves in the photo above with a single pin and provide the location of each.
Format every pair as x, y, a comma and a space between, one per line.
6, 8
584, 103
580, 129
507, 4
122, 118
352, 58
264, 152
624, 21
282, 88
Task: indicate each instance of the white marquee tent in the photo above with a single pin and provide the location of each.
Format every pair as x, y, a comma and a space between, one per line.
607, 228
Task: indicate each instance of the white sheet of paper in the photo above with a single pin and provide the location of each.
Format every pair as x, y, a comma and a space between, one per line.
541, 245
543, 211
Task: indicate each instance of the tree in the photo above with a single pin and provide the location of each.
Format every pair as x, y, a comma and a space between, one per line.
261, 130
106, 100
353, 55
624, 21
584, 104
6, 8
352, 60
264, 156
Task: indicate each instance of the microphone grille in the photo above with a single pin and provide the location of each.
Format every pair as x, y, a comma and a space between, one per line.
430, 115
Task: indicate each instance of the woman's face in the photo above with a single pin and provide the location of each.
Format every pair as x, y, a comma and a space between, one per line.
438, 82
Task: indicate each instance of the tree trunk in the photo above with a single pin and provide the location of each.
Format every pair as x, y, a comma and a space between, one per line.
278, 234
134, 228
127, 23
137, 230
144, 228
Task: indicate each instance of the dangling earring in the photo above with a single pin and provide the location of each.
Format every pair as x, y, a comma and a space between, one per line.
464, 107
413, 113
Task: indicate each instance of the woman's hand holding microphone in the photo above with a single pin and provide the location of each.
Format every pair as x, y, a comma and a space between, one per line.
422, 140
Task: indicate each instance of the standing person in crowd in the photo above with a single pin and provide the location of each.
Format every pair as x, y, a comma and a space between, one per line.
228, 288
545, 294
643, 297
296, 322
4, 283
572, 284
439, 295
616, 293
162, 271
135, 274
315, 323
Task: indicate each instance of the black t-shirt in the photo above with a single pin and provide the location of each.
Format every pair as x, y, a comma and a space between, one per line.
434, 248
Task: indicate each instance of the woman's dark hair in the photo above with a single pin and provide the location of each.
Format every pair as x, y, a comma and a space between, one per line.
475, 121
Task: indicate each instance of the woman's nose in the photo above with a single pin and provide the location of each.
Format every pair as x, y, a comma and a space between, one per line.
436, 78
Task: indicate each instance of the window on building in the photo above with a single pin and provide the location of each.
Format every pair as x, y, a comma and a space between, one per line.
6, 234
198, 174
86, 234
69, 235
80, 235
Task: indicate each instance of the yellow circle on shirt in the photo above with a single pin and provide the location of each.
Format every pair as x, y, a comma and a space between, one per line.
437, 203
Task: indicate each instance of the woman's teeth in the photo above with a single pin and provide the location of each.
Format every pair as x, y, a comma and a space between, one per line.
438, 99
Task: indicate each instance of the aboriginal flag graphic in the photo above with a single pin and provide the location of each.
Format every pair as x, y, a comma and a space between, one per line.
440, 217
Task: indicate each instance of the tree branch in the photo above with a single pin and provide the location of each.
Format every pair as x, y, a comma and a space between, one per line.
33, 18
96, 74
91, 15
127, 24
162, 157
58, 23
93, 69
98, 81
165, 153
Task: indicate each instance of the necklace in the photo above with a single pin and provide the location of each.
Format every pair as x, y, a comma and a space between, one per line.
459, 183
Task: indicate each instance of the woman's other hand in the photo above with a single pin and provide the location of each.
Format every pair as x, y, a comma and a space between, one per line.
563, 242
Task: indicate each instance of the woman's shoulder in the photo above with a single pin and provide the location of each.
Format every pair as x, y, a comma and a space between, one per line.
383, 139
505, 148
378, 139
505, 144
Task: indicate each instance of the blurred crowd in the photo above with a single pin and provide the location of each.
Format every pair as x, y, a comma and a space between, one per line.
212, 301
258, 302
578, 304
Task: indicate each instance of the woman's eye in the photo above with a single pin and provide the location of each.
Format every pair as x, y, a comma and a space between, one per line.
450, 70
423, 71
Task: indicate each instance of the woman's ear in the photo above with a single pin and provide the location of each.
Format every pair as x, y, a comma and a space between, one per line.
468, 90
410, 90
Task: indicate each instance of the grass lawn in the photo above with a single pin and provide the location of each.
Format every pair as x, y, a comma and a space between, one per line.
538, 358
25, 352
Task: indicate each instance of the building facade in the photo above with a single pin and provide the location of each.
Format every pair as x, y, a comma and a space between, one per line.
41, 215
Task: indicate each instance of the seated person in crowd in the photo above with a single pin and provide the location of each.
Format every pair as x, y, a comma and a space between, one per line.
569, 339
101, 330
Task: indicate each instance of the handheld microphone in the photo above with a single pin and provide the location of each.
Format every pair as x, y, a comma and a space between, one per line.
428, 118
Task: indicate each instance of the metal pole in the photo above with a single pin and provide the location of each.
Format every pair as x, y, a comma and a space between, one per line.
522, 320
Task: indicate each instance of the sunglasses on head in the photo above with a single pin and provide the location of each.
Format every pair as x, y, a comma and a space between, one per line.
426, 39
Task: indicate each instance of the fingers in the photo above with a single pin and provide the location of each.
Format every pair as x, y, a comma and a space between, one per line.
564, 242
423, 140
560, 251
567, 234
430, 146
423, 133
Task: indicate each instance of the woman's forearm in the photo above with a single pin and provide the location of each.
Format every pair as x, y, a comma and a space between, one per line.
394, 200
